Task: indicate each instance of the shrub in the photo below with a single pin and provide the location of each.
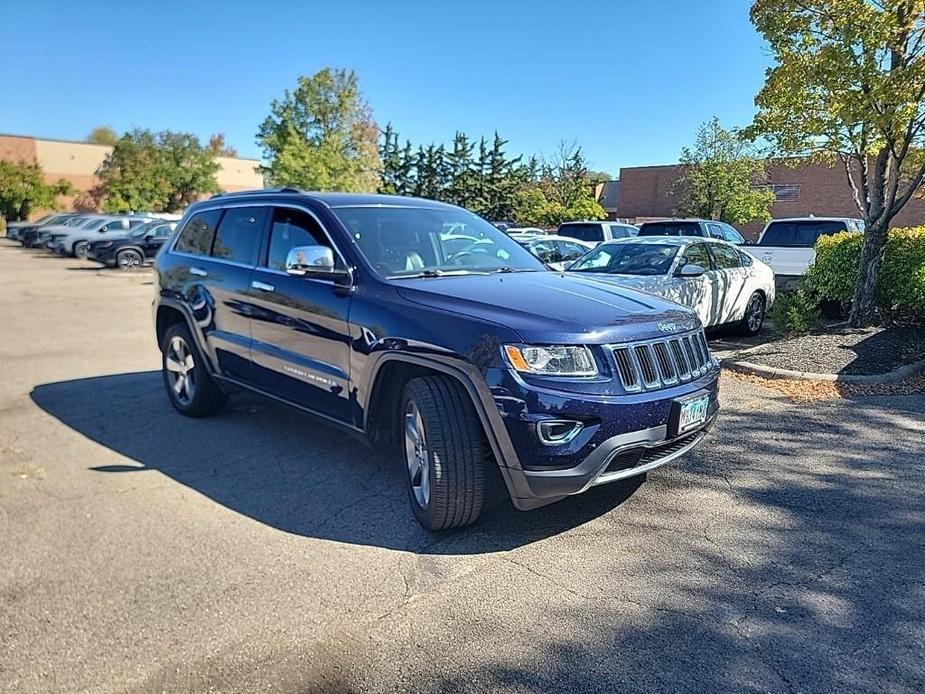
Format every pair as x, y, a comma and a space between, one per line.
797, 312
901, 288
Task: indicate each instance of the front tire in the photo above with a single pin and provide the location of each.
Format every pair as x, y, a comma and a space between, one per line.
755, 311
80, 249
444, 453
189, 385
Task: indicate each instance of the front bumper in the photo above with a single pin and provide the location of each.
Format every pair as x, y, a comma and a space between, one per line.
622, 435
618, 458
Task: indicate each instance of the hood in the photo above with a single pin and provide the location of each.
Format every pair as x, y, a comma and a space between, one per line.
552, 307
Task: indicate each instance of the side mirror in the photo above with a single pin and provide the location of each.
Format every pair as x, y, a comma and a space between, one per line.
691, 270
312, 260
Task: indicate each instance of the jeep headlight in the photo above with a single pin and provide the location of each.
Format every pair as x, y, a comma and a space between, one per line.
552, 360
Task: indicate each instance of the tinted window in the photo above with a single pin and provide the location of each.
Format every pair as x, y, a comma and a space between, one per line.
293, 228
163, 231
725, 257
670, 229
716, 231
697, 255
238, 235
583, 232
628, 259
196, 237
799, 233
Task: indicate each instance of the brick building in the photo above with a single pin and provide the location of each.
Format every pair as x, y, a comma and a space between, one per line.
77, 162
648, 192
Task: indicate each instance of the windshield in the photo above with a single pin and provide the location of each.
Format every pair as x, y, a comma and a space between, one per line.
628, 259
670, 229
414, 241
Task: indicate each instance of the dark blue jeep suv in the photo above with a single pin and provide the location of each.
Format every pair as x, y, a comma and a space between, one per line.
420, 327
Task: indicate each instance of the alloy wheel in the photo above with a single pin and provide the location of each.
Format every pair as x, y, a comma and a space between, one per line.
129, 260
754, 315
181, 370
417, 457
80, 250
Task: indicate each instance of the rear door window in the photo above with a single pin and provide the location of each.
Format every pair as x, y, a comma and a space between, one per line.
716, 231
239, 233
196, 237
725, 257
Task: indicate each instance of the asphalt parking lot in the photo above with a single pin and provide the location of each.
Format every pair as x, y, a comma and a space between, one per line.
260, 551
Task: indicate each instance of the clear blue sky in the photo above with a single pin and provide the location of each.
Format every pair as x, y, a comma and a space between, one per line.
630, 80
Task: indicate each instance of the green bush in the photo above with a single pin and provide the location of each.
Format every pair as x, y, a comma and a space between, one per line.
796, 313
901, 288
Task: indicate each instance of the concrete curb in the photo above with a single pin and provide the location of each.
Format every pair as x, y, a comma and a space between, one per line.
747, 367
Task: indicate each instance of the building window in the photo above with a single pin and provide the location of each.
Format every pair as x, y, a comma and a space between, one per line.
786, 192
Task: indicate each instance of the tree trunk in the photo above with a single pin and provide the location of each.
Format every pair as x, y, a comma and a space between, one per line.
863, 307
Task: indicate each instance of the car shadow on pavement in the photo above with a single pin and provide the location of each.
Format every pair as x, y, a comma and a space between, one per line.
282, 468
797, 566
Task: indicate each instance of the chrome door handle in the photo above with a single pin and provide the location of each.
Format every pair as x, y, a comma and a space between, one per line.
198, 271
263, 286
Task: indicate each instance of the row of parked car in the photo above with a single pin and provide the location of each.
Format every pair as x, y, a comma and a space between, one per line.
739, 279
123, 241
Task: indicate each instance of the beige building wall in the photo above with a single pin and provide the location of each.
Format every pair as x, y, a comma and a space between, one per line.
78, 162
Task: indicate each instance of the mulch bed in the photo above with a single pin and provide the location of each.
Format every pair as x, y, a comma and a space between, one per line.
830, 390
868, 351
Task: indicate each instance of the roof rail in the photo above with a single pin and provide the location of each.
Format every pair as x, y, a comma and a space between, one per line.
257, 191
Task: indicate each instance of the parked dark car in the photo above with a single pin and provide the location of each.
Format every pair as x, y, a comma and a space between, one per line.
347, 307
134, 250
706, 228
36, 235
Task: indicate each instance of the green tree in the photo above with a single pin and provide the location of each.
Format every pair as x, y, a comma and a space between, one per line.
23, 190
322, 136
102, 135
722, 177
159, 172
848, 86
566, 186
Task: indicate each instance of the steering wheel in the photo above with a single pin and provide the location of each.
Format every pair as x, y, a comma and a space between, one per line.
457, 257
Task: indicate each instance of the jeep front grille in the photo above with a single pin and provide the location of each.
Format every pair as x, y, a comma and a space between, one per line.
664, 362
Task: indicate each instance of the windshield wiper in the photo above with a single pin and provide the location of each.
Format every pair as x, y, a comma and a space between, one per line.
435, 272
508, 268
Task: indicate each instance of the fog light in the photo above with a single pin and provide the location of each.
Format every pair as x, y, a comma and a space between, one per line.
555, 432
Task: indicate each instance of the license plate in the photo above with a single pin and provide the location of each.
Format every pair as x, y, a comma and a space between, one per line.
693, 413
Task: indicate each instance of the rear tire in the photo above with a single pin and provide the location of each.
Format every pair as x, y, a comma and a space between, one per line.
754, 317
444, 452
189, 385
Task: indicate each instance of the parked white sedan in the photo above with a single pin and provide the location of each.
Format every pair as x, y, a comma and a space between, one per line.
722, 282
